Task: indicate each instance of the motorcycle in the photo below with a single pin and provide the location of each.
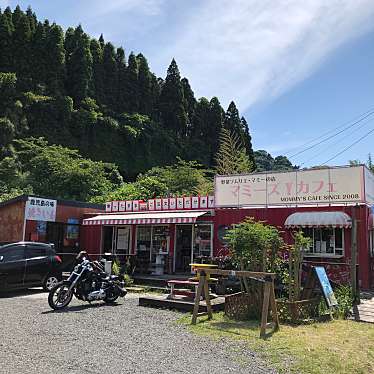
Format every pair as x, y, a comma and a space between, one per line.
87, 282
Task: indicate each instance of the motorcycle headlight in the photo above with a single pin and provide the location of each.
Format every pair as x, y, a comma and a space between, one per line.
76, 268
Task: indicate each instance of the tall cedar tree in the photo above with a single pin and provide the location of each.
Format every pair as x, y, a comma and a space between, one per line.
131, 85
79, 65
231, 157
121, 79
172, 106
97, 71
144, 86
22, 49
110, 76
54, 60
6, 58
189, 101
247, 141
216, 115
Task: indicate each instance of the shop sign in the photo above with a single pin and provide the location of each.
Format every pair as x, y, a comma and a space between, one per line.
128, 206
38, 209
151, 204
135, 205
369, 186
319, 186
115, 206
172, 203
165, 204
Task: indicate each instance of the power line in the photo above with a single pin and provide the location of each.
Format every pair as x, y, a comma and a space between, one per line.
332, 136
329, 131
350, 146
335, 143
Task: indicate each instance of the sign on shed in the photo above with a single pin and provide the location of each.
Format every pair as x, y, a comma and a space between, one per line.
313, 186
39, 209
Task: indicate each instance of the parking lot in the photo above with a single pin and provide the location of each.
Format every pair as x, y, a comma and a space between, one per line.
99, 338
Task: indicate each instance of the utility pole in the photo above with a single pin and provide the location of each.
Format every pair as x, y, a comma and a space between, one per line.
355, 290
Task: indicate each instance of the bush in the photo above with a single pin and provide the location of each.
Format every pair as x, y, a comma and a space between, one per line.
344, 297
117, 270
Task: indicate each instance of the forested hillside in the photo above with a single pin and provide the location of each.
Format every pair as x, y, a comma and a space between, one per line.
81, 93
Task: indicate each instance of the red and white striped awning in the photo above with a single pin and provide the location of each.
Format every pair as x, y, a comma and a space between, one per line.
144, 218
318, 219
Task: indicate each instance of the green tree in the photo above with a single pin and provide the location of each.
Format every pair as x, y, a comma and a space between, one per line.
189, 101
97, 71
264, 160
54, 60
110, 76
8, 82
282, 163
22, 50
131, 90
182, 178
62, 172
121, 79
231, 157
144, 86
78, 65
172, 105
6, 57
232, 120
254, 245
247, 140
7, 131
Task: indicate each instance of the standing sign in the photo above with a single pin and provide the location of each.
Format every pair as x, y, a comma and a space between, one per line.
316, 186
38, 209
328, 293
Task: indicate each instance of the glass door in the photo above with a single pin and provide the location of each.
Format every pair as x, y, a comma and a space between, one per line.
183, 246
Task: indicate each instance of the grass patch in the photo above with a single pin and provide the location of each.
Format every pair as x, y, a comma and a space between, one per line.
338, 347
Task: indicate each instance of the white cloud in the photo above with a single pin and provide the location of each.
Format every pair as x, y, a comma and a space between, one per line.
4, 4
255, 50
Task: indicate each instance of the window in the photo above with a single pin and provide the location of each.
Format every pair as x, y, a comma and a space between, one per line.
203, 241
143, 238
15, 253
35, 251
325, 242
371, 242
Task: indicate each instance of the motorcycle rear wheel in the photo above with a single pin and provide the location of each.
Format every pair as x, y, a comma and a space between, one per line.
59, 297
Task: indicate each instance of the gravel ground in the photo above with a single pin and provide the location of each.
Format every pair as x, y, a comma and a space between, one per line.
124, 338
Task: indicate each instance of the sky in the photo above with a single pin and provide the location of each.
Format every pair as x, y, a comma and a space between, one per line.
295, 69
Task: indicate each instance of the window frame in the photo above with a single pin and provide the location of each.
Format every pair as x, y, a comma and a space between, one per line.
321, 254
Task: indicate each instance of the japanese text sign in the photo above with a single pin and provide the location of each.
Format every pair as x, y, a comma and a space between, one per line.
316, 186
38, 209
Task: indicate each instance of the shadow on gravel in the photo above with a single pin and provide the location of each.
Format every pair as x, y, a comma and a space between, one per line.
81, 308
27, 292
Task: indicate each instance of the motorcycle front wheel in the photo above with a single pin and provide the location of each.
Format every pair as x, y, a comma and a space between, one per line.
59, 297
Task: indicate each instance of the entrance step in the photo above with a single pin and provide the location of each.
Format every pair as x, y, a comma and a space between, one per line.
364, 312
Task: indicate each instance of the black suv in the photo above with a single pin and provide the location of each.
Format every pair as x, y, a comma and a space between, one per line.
29, 264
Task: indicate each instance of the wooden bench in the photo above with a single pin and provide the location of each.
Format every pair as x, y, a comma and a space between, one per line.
182, 292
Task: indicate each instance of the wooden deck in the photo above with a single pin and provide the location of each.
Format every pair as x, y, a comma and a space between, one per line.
182, 304
364, 312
